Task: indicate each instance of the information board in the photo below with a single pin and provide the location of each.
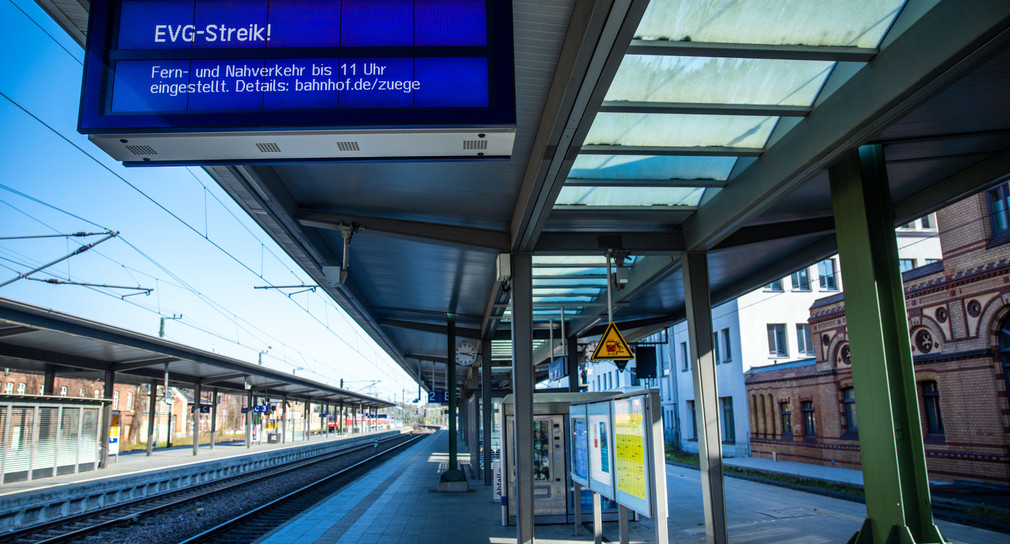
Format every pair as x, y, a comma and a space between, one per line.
192, 65
580, 445
631, 461
601, 451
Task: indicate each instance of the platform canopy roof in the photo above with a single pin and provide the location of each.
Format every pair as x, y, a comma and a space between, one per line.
33, 338
655, 128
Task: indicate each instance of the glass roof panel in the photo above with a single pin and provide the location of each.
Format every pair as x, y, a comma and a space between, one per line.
675, 130
567, 260
629, 196
651, 167
573, 272
567, 292
856, 23
704, 80
566, 282
562, 300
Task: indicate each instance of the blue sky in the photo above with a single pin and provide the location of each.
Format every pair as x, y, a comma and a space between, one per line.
202, 263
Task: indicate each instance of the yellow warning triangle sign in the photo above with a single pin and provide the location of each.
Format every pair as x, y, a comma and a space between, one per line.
612, 346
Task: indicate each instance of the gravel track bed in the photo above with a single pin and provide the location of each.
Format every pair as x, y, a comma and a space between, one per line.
180, 523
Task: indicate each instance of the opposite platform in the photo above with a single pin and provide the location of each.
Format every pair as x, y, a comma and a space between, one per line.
397, 503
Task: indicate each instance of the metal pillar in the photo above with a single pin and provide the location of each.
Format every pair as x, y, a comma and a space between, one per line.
522, 391
305, 420
110, 383
151, 414
485, 411
213, 415
284, 419
699, 328
248, 419
453, 474
572, 359
197, 393
898, 505
49, 381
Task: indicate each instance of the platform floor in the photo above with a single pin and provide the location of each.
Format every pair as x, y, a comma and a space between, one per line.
137, 462
397, 503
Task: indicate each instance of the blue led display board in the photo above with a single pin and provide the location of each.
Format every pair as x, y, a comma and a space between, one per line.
205, 65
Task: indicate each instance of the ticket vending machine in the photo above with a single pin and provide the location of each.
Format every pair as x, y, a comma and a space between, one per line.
553, 499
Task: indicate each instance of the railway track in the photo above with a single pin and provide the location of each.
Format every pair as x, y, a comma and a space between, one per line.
96, 523
253, 524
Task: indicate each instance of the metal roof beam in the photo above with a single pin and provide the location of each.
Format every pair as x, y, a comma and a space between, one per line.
16, 330
761, 110
594, 46
54, 358
120, 367
429, 327
752, 51
588, 182
953, 187
434, 232
588, 243
671, 151
778, 231
913, 68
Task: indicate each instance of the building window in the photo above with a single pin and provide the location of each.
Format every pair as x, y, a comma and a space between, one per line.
906, 264
9, 388
727, 353
115, 400
787, 420
1004, 352
715, 347
928, 221
826, 275
805, 339
774, 286
129, 401
777, 346
999, 210
809, 425
801, 280
694, 420
849, 413
931, 404
21, 388
63, 391
683, 357
728, 427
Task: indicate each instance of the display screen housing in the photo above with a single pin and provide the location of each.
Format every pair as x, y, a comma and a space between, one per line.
226, 65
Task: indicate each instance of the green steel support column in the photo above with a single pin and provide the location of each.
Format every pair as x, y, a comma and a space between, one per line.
898, 505
453, 474
706, 395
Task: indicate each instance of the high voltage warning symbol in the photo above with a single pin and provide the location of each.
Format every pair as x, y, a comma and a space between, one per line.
612, 346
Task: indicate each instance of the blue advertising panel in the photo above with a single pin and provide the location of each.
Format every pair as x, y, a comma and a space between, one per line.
580, 445
197, 65
558, 368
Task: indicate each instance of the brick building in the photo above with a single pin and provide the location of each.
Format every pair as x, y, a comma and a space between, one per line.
959, 321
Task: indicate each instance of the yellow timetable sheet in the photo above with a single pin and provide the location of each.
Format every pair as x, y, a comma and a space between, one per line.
629, 449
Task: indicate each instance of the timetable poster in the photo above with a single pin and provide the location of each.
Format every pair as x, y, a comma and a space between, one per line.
580, 448
630, 455
601, 475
